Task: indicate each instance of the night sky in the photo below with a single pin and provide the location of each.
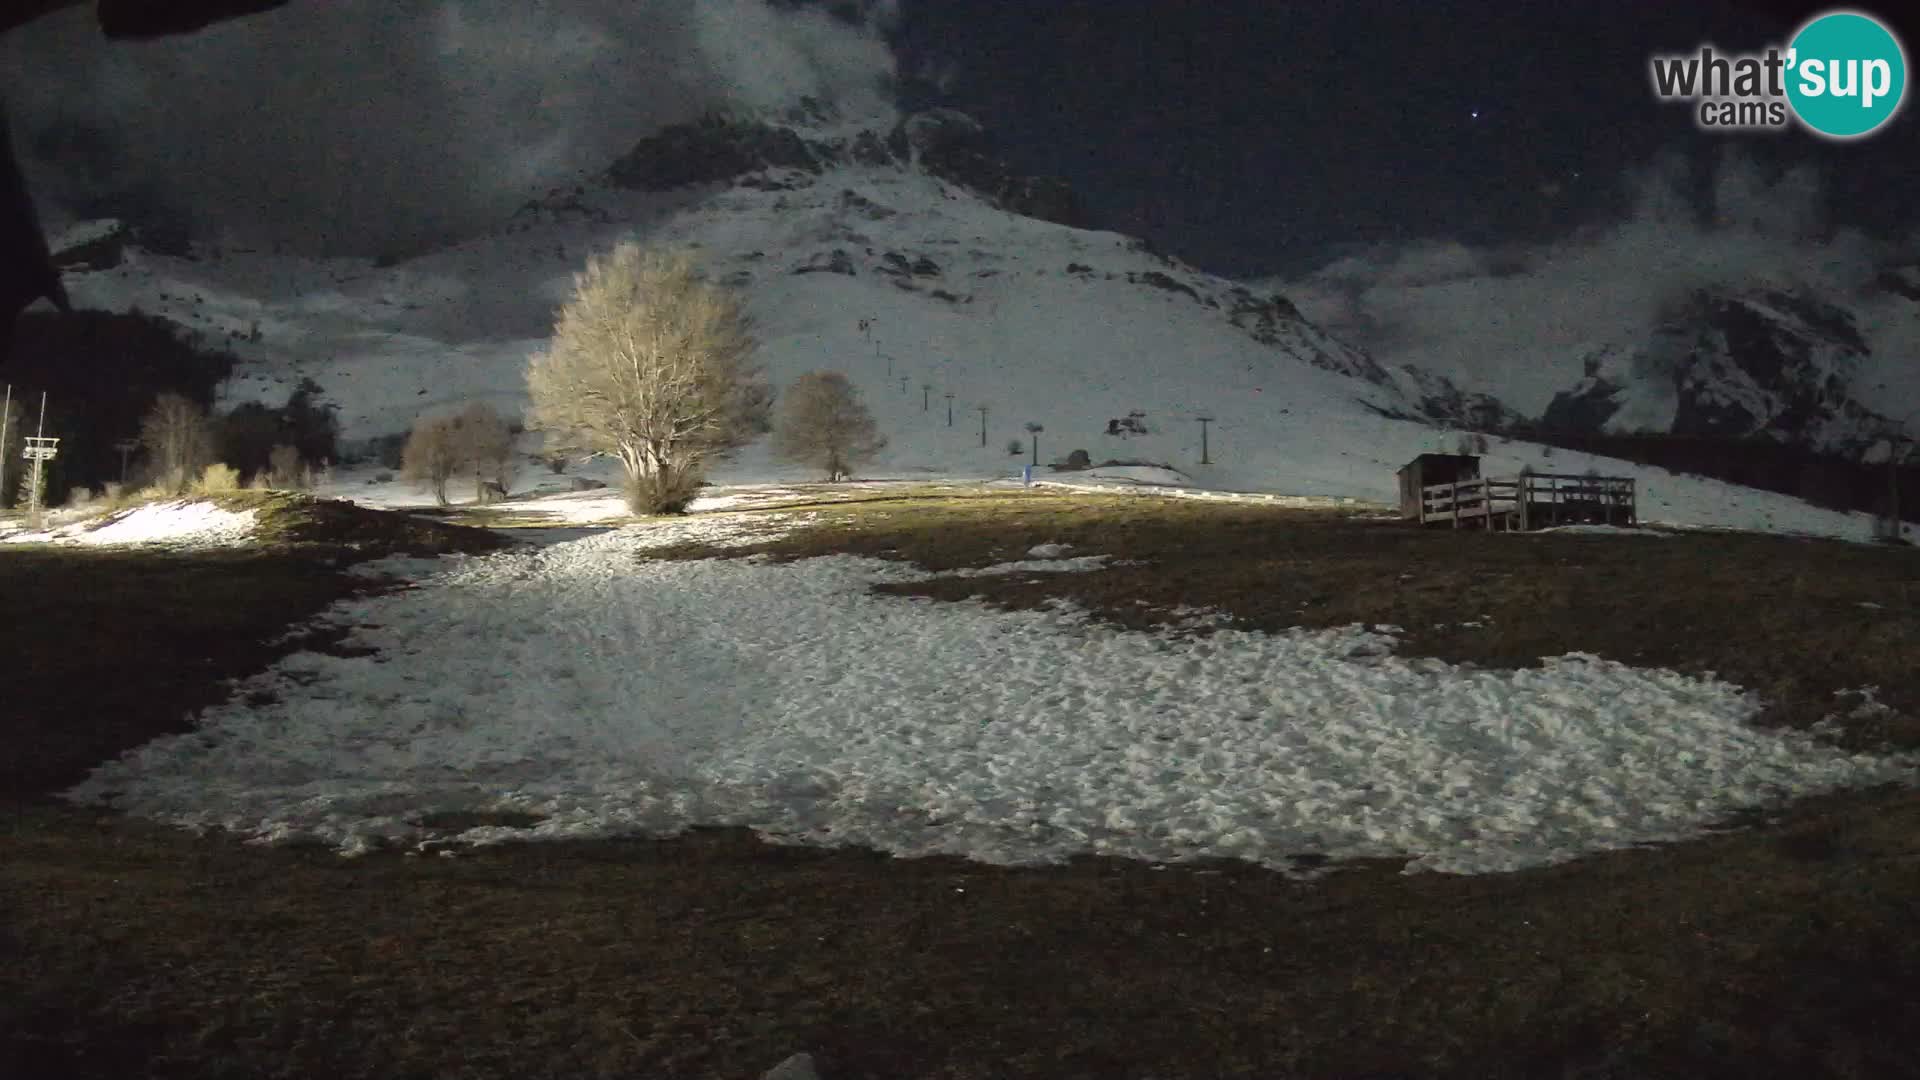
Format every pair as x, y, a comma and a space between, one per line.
1250, 137
1254, 137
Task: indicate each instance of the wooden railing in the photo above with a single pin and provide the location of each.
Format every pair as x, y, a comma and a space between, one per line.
1530, 500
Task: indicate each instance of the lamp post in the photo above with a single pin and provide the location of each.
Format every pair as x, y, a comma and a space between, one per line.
1204, 421
983, 424
949, 396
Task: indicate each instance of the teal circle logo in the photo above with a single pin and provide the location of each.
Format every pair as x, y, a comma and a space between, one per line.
1846, 75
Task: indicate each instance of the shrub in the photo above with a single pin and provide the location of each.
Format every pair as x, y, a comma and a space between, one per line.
824, 424
217, 479
1015, 447
653, 366
79, 497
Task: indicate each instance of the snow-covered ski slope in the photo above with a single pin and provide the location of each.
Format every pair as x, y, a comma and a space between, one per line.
914, 287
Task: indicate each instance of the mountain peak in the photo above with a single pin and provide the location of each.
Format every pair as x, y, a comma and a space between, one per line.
1750, 363
812, 137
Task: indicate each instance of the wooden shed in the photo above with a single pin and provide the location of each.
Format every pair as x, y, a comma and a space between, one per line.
1428, 469
1448, 488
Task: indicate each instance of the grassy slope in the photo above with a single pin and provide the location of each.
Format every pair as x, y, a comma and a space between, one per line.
1775, 951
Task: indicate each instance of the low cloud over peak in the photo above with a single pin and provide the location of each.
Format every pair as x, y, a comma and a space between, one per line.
358, 126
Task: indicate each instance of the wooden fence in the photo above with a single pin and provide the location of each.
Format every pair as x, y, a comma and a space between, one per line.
1530, 501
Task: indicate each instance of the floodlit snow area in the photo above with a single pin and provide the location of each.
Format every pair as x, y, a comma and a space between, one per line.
182, 523
609, 694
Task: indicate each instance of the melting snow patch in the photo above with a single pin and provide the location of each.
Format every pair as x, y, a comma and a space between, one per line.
604, 693
176, 524
1078, 565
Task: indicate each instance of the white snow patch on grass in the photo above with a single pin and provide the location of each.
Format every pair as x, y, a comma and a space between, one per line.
611, 694
181, 523
1077, 565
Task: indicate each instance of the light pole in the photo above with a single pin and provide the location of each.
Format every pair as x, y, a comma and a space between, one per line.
1033, 436
949, 396
926, 397
1204, 421
126, 448
983, 424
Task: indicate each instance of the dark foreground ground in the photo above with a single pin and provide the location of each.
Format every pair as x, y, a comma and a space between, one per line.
1784, 947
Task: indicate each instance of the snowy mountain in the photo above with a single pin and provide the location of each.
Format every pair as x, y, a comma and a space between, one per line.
910, 260
1754, 364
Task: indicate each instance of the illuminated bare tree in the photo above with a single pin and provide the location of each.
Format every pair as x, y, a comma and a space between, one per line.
179, 440
483, 446
653, 366
823, 423
432, 454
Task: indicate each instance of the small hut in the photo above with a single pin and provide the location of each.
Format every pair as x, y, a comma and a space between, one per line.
1437, 488
1427, 469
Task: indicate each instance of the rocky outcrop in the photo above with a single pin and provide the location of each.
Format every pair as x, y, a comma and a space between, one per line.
1757, 364
1439, 399
951, 145
715, 149
943, 142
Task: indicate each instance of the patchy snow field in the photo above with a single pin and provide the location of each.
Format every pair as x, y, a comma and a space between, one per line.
183, 523
610, 694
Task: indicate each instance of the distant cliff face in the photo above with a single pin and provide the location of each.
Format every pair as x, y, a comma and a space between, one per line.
1754, 364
